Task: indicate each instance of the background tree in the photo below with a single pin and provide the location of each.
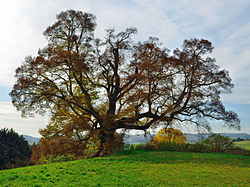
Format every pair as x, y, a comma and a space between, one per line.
117, 84
169, 135
35, 153
14, 149
218, 142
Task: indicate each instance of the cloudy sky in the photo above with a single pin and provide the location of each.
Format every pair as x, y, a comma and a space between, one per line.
225, 23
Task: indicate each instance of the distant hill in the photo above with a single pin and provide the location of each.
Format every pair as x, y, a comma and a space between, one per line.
141, 138
31, 139
136, 139
196, 137
236, 135
191, 138
137, 168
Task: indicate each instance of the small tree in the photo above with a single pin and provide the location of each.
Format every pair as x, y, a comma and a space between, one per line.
14, 149
217, 142
169, 135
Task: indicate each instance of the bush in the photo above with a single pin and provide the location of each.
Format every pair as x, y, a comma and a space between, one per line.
238, 151
57, 158
132, 147
214, 143
14, 149
218, 143
198, 147
164, 146
169, 146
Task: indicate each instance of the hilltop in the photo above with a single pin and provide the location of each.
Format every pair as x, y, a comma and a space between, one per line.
31, 139
137, 168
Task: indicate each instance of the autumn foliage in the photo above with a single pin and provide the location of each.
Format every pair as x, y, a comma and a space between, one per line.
68, 140
93, 87
169, 135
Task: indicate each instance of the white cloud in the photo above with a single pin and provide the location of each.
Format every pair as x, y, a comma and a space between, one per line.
17, 38
239, 95
233, 54
22, 24
10, 118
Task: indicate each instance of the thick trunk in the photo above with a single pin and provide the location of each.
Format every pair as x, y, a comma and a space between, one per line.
109, 140
107, 143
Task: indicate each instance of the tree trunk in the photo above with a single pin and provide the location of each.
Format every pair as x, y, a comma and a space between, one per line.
109, 140
107, 143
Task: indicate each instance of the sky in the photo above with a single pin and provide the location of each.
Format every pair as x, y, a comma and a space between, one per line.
225, 23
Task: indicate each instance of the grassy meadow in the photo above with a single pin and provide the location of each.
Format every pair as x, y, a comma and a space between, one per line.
243, 144
137, 168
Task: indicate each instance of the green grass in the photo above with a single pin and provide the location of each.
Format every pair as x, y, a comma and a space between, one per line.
137, 168
243, 144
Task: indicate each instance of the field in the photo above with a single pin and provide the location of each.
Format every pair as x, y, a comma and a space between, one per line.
137, 168
243, 144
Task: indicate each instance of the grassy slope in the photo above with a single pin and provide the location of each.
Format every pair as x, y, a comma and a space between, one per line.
139, 168
243, 144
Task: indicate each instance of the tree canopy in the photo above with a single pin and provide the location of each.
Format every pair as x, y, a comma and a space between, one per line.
110, 84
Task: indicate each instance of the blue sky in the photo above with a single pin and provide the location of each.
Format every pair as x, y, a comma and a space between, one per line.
225, 23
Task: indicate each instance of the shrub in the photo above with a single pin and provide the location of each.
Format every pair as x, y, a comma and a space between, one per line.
238, 151
53, 149
198, 147
218, 143
57, 158
169, 146
14, 149
214, 143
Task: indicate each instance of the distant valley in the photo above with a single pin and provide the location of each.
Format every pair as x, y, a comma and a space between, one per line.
135, 139
191, 138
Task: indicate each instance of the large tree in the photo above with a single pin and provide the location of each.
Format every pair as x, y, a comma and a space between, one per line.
106, 85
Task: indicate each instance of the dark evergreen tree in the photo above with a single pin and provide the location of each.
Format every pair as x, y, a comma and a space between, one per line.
14, 149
